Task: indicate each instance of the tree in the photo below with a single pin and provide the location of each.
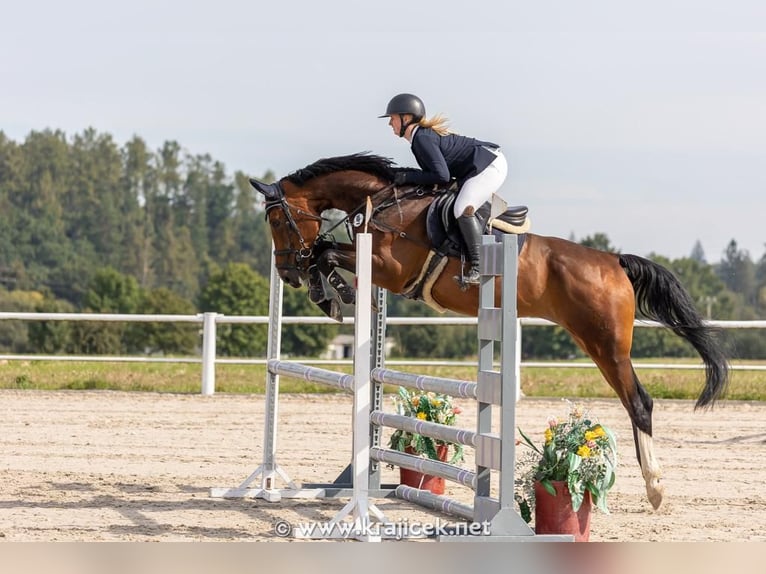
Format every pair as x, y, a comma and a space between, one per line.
50, 336
304, 340
93, 215
546, 342
14, 334
167, 338
175, 263
698, 253
412, 341
129, 195
426, 341
237, 290
760, 277
599, 241
251, 232
39, 233
139, 184
11, 182
738, 272
110, 292
219, 208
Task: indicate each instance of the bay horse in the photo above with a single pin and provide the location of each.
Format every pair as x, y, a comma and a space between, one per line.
592, 294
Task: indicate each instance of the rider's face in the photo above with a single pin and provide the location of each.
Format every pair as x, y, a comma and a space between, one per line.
395, 121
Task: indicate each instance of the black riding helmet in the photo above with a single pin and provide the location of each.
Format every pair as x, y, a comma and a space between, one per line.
405, 104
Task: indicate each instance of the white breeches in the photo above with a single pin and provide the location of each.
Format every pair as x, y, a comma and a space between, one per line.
478, 190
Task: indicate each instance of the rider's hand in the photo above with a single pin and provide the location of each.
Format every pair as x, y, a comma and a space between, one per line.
400, 177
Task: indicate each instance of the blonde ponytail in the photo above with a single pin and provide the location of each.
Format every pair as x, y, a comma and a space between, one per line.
438, 123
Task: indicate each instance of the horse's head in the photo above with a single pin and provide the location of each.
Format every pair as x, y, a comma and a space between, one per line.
294, 229
294, 205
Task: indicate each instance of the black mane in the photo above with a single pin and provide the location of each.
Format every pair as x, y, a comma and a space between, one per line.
365, 161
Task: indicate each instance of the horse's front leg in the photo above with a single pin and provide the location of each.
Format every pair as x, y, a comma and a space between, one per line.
317, 291
329, 262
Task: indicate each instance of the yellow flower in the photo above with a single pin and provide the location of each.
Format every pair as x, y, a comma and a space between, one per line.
595, 433
422, 416
583, 451
548, 436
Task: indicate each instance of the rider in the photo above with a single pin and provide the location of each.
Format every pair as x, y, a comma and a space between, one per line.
479, 167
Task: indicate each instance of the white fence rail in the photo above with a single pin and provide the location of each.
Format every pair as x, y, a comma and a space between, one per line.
209, 321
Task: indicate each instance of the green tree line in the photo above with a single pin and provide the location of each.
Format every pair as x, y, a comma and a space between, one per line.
89, 225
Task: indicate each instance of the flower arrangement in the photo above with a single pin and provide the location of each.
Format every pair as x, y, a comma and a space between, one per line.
576, 450
431, 407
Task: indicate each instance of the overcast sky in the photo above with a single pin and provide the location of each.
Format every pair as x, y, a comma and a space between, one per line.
645, 121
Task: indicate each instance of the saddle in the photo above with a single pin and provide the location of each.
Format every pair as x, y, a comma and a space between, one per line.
445, 236
447, 240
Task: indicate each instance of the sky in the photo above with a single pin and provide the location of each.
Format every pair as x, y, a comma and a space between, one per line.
645, 121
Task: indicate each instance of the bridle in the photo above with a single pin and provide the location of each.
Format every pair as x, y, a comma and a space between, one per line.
302, 255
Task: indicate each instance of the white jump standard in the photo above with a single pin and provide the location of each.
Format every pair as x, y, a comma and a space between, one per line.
493, 452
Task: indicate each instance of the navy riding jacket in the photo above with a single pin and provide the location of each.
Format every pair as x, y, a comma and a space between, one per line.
443, 157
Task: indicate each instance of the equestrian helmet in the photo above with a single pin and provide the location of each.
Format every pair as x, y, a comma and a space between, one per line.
406, 104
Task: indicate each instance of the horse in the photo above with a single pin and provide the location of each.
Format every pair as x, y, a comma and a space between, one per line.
592, 294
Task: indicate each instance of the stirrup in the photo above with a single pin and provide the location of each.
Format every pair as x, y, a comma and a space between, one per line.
473, 277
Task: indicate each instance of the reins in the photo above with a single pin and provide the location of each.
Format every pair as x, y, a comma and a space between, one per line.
306, 251
394, 201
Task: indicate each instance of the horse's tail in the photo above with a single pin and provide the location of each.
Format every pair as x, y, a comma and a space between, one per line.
661, 297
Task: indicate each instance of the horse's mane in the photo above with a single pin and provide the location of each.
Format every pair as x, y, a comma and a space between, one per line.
365, 161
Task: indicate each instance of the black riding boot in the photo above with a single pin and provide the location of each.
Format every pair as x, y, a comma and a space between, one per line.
471, 228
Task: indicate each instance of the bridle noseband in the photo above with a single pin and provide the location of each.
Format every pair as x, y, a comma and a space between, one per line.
303, 254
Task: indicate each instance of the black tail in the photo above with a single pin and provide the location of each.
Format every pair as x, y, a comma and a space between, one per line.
661, 297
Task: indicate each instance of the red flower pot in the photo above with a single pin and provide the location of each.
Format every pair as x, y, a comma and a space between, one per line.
422, 481
554, 514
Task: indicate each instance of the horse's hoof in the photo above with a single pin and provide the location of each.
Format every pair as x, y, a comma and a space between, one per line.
348, 296
331, 308
655, 492
335, 312
316, 295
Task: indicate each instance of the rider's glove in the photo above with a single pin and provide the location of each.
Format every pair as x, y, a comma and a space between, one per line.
400, 177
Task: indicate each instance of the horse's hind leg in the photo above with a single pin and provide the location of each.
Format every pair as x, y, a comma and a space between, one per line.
608, 343
619, 373
605, 333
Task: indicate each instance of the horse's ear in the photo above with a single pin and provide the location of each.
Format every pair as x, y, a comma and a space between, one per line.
269, 190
